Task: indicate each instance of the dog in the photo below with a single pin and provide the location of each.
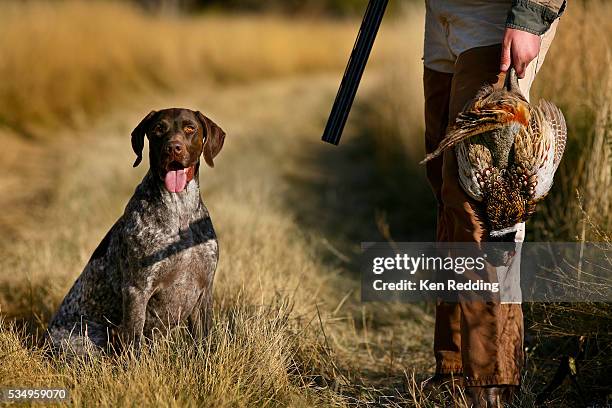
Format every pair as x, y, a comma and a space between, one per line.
155, 268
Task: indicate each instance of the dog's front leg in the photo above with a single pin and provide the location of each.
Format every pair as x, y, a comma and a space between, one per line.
134, 315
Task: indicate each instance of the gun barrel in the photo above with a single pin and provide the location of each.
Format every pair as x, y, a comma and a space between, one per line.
354, 71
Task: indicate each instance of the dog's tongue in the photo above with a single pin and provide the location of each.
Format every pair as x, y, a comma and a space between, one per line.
176, 180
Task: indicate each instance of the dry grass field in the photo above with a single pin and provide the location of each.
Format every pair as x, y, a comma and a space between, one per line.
67, 61
290, 212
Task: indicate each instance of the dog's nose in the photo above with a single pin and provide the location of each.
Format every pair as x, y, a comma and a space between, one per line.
175, 148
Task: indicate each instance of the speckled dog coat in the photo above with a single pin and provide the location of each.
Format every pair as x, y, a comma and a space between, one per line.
154, 269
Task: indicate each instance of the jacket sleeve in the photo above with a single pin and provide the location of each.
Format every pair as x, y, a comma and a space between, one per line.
534, 16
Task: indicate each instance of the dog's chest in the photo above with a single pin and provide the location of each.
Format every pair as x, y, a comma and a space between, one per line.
183, 272
184, 252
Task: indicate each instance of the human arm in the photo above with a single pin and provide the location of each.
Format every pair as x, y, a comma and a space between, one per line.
527, 20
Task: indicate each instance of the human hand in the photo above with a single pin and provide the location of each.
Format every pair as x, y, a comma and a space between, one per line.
519, 48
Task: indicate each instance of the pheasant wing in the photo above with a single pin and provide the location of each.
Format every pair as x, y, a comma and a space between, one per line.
490, 110
556, 120
468, 124
539, 150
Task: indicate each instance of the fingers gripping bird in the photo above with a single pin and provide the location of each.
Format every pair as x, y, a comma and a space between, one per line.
507, 153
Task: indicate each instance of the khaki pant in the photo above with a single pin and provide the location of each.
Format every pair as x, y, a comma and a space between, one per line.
483, 342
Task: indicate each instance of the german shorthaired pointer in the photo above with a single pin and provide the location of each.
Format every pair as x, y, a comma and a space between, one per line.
154, 269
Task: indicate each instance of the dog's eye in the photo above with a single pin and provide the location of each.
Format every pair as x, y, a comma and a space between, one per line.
189, 129
159, 128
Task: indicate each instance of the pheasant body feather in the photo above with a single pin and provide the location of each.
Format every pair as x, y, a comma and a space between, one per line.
507, 153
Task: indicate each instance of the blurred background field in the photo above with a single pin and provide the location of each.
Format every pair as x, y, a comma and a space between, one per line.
290, 212
66, 61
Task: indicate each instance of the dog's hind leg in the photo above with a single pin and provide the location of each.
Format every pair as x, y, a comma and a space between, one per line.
85, 339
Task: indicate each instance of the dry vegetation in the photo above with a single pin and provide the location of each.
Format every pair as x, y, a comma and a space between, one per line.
266, 343
289, 328
62, 62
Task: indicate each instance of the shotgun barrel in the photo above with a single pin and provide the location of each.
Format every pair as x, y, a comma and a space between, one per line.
354, 71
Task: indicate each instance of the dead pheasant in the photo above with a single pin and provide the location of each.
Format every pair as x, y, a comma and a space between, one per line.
507, 153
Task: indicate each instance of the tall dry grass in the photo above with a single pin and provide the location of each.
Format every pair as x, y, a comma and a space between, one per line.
266, 347
577, 76
289, 329
70, 62
64, 62
256, 357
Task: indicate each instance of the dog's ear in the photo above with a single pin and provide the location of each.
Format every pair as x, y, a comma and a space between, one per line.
213, 139
138, 135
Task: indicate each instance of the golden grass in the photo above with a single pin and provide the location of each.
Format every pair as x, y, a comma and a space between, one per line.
289, 329
63, 62
577, 75
265, 348
279, 304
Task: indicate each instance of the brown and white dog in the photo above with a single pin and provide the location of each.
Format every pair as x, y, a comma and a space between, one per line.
154, 269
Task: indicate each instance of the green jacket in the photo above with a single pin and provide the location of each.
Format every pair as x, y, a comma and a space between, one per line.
534, 16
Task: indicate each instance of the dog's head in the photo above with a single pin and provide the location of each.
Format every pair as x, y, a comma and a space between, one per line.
177, 138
